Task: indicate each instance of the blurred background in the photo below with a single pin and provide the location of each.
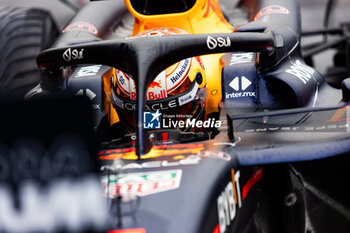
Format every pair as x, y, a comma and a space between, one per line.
313, 16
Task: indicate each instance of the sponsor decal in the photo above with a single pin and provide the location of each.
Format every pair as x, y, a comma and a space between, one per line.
189, 96
240, 95
186, 99
228, 201
251, 182
273, 9
240, 84
156, 90
153, 107
162, 106
213, 43
81, 26
155, 84
175, 162
123, 82
303, 72
74, 54
215, 155
151, 95
88, 93
245, 83
88, 71
214, 92
141, 184
156, 151
152, 120
96, 106
181, 72
240, 58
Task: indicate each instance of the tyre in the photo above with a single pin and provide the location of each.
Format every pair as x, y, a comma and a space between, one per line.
24, 33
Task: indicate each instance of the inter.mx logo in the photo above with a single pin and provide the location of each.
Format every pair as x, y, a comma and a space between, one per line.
240, 85
245, 83
152, 120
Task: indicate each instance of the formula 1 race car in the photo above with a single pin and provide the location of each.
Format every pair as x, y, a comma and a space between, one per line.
154, 116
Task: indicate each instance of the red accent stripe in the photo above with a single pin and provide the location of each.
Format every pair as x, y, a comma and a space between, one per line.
251, 182
217, 229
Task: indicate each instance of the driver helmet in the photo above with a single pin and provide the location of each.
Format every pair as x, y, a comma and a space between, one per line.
177, 93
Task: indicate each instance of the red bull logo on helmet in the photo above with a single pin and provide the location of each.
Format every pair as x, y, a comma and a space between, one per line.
156, 90
155, 84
